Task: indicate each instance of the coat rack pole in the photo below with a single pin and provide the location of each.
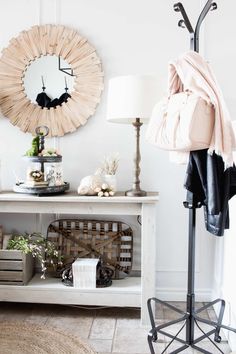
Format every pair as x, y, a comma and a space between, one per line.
191, 278
191, 317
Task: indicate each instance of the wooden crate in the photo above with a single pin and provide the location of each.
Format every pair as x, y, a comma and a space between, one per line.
16, 268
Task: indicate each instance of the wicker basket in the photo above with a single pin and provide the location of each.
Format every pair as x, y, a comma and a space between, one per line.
110, 240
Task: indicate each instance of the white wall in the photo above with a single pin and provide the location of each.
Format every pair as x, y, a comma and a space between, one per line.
131, 37
220, 51
228, 288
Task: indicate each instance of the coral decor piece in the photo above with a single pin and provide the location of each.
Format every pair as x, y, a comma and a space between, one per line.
94, 185
89, 185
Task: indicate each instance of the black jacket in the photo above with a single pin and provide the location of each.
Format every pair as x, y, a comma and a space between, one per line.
212, 186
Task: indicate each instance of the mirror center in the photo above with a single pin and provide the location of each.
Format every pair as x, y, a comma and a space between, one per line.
44, 72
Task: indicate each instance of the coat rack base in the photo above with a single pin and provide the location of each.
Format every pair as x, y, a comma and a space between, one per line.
189, 319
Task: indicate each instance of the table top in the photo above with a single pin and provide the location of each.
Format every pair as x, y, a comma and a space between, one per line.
73, 197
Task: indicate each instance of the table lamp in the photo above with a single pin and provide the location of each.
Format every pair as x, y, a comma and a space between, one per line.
131, 100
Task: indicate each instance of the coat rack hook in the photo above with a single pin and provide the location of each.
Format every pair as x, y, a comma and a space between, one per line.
213, 6
194, 35
209, 6
178, 7
181, 24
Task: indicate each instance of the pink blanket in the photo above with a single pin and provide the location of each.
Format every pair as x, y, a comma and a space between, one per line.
192, 72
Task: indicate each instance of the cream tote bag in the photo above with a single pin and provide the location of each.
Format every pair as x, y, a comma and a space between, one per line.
181, 122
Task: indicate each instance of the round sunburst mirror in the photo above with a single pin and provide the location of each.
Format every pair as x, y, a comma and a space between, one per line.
52, 60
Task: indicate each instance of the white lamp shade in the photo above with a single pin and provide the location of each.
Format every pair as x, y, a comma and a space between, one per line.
131, 97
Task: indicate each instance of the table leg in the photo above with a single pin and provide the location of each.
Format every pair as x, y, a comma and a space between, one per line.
148, 259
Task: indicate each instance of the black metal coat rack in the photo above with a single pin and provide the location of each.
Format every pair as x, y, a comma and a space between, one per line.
191, 317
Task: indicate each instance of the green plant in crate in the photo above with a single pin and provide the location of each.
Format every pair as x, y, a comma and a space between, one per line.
40, 248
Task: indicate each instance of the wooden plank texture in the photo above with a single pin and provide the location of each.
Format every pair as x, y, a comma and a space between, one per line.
28, 269
15, 266
6, 282
10, 254
11, 265
10, 275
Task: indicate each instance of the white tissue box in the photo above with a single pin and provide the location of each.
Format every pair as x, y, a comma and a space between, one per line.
84, 272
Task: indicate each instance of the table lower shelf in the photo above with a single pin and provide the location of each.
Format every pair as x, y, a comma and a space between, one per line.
123, 293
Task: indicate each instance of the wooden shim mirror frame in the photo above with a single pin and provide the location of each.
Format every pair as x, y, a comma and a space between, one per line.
83, 60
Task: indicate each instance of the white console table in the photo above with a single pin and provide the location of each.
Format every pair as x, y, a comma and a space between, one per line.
132, 291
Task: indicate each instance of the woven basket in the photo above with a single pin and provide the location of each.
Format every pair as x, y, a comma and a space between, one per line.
110, 240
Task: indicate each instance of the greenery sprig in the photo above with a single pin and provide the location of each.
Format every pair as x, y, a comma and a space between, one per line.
37, 245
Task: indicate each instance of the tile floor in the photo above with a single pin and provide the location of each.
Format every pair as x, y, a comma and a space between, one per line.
109, 330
